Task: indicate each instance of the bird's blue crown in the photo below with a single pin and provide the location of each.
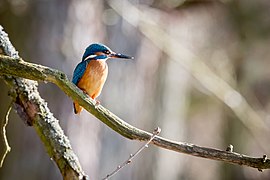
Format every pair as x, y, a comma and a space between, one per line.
95, 48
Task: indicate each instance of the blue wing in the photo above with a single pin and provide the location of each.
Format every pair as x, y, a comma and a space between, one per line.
79, 71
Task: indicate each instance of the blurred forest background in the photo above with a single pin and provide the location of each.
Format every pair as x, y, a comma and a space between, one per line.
164, 86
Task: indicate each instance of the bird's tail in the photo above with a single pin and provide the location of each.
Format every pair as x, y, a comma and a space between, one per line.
77, 108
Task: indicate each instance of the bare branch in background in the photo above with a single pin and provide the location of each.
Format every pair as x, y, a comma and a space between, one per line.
132, 156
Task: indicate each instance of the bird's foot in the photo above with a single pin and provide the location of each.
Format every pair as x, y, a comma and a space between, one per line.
97, 103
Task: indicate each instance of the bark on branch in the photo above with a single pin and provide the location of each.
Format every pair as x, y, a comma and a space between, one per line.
20, 68
33, 109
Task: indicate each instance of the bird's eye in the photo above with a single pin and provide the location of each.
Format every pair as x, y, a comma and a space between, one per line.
107, 52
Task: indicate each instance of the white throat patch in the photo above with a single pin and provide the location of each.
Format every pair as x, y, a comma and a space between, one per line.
90, 57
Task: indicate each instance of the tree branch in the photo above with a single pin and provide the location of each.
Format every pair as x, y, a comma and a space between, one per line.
33, 109
18, 67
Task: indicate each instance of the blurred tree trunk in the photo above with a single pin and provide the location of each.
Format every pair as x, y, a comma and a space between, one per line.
203, 28
174, 84
83, 27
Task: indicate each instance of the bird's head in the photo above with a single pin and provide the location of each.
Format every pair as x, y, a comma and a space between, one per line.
99, 51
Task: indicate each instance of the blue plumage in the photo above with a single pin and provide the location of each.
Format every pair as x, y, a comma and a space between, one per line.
90, 50
79, 71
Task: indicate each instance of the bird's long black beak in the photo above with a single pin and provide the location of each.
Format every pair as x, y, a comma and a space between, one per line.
118, 55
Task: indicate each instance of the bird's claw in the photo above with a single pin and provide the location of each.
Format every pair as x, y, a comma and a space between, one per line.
97, 103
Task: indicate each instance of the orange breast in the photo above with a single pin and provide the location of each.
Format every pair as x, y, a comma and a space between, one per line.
94, 78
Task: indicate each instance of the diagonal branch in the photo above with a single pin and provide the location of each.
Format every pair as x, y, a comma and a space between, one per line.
18, 67
154, 31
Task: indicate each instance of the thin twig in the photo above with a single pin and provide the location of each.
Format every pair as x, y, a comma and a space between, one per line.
132, 156
4, 136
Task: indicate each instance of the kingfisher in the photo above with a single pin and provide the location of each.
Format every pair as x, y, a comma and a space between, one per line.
91, 73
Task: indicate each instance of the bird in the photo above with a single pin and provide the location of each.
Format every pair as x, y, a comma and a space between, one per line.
91, 73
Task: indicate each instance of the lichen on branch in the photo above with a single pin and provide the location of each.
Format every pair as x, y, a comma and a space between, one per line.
34, 111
